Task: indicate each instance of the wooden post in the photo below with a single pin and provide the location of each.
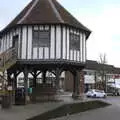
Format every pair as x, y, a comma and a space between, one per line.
9, 78
57, 78
76, 85
44, 76
15, 81
82, 89
34, 78
26, 84
14, 87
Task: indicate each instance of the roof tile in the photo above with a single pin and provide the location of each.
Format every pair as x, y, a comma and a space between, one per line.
46, 12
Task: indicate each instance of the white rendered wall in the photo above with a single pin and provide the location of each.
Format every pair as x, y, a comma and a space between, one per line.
68, 40
59, 43
64, 43
24, 39
52, 41
29, 43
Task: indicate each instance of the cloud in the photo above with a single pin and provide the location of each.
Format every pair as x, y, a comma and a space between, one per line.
8, 12
105, 37
101, 17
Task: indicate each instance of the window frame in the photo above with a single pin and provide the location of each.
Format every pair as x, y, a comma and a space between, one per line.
37, 43
74, 45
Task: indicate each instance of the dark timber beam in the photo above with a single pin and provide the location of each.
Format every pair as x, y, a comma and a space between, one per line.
10, 81
38, 73
26, 84
34, 78
76, 84
34, 73
44, 76
58, 71
15, 80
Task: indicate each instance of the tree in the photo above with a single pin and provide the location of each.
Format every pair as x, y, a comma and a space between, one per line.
102, 69
102, 59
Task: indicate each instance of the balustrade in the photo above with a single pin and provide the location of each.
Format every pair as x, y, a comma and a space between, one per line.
7, 58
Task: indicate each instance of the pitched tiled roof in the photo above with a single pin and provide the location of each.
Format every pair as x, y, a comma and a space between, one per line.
46, 12
117, 70
94, 65
105, 67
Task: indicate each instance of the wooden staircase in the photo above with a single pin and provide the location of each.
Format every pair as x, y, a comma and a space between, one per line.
7, 59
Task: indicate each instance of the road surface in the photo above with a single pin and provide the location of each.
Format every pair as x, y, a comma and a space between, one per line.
111, 112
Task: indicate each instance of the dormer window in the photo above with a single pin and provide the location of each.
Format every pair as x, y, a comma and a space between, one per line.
74, 41
41, 38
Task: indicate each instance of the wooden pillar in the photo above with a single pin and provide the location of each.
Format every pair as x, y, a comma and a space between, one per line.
76, 84
34, 78
10, 82
26, 84
57, 78
15, 73
14, 87
82, 89
44, 76
15, 81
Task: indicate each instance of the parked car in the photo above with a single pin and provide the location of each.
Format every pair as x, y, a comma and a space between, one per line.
113, 89
96, 93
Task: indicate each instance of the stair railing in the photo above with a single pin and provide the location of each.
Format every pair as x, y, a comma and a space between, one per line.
7, 58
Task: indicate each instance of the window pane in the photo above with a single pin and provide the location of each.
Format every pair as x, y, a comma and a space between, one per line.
41, 38
35, 38
74, 42
44, 39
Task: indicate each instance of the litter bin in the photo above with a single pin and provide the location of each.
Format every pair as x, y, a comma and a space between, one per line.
6, 101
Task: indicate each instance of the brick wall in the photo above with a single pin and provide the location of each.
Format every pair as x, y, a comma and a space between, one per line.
69, 82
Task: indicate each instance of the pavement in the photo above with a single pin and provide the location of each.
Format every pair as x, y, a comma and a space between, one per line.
27, 111
24, 112
30, 110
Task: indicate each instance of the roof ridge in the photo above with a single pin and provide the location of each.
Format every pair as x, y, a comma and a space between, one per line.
56, 11
45, 12
28, 12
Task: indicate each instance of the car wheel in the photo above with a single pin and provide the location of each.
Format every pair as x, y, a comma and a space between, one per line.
104, 96
94, 96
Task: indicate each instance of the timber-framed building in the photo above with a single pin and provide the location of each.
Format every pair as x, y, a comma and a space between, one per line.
43, 37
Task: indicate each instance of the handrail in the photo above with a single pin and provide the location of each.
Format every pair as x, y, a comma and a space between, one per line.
2, 77
7, 57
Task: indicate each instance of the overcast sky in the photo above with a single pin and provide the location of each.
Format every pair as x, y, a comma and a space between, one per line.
102, 17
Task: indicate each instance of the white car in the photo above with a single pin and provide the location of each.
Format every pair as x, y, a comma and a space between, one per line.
96, 93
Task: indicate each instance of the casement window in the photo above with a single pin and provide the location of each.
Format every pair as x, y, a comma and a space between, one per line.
74, 41
41, 38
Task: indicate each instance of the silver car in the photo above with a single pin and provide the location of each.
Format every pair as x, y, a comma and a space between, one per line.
96, 93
